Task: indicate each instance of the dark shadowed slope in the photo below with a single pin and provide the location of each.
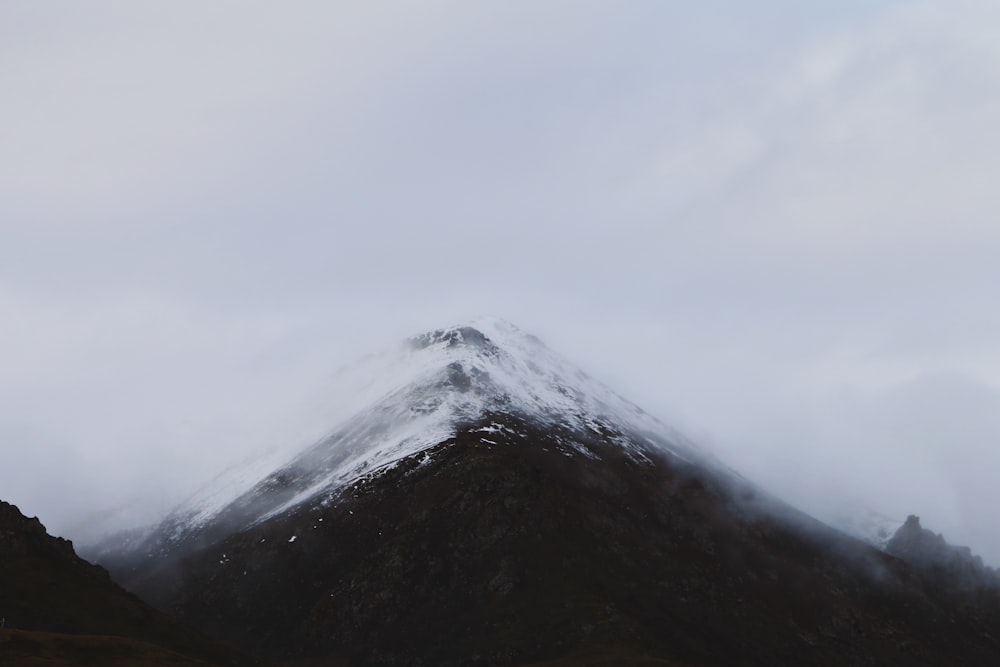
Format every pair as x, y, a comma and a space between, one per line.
509, 549
61, 610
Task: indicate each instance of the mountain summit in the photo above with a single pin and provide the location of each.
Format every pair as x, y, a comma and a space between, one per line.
413, 397
486, 503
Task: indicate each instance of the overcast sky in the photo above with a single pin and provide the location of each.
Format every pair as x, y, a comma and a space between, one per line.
773, 224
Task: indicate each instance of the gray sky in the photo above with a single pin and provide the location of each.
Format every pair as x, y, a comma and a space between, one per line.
773, 224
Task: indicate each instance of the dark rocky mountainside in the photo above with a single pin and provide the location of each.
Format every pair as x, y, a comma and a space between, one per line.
61, 610
502, 546
952, 565
484, 502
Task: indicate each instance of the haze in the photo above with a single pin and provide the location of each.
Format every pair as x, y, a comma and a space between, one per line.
772, 224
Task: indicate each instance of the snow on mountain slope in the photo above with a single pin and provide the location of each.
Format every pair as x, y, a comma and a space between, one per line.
414, 397
863, 523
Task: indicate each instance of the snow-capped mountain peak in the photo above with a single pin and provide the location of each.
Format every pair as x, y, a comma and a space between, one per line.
417, 395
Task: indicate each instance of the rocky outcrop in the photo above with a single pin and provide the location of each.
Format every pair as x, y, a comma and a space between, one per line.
58, 609
21, 536
927, 551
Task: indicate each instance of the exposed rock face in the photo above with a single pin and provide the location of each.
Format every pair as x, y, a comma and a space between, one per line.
952, 565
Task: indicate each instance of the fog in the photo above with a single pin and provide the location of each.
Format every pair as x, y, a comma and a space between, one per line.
773, 225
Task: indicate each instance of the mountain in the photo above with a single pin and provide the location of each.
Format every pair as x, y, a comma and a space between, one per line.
60, 610
409, 399
486, 503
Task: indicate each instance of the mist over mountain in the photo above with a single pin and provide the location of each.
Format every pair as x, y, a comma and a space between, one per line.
415, 396
490, 504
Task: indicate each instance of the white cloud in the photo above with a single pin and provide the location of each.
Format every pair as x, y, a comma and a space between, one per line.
787, 214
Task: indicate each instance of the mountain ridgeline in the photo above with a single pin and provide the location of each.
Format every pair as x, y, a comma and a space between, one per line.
486, 503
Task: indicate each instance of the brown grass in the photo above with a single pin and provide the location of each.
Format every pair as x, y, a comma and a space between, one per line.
20, 648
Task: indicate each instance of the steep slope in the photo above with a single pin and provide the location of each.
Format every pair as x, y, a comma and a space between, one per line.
59, 609
493, 506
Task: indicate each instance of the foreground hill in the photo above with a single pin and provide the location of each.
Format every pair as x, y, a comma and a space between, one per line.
61, 610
